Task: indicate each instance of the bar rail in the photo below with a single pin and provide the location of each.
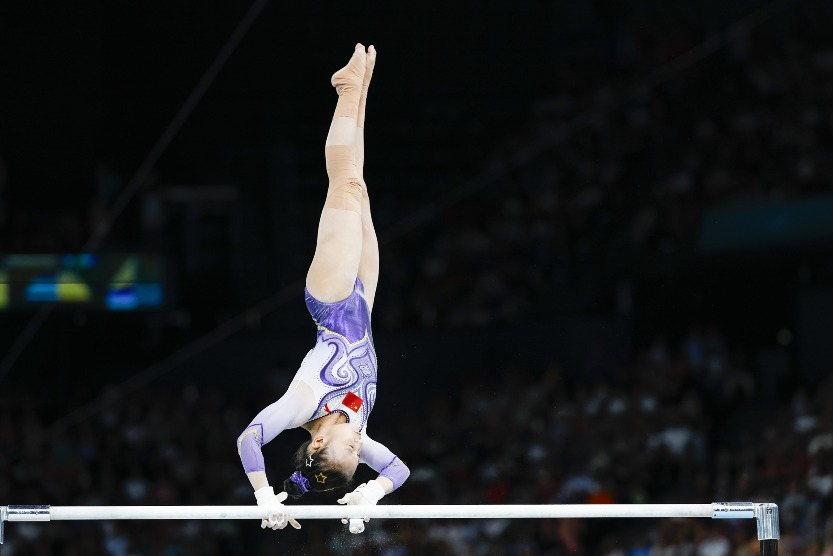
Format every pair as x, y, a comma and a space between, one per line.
64, 513
766, 514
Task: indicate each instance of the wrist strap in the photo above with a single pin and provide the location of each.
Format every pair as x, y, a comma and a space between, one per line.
373, 489
264, 494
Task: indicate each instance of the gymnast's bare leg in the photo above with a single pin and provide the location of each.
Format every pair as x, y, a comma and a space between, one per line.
338, 250
369, 263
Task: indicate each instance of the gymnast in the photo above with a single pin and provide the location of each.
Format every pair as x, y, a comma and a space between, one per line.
333, 392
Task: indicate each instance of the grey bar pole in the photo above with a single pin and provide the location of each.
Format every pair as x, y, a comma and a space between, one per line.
2, 522
769, 547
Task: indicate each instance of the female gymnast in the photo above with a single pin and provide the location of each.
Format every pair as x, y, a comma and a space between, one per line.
332, 394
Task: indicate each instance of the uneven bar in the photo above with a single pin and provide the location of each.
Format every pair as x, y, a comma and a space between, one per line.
509, 511
766, 514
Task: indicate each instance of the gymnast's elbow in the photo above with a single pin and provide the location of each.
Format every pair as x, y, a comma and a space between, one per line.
396, 472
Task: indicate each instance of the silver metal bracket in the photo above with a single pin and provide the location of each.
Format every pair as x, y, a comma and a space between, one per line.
765, 514
733, 510
22, 513
27, 513
769, 527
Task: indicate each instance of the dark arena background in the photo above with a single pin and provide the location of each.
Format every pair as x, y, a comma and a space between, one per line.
606, 234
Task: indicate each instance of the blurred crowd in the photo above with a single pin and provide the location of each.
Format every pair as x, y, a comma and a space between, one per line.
672, 425
607, 174
621, 165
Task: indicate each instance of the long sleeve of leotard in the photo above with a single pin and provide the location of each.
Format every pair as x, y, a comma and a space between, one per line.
383, 461
290, 411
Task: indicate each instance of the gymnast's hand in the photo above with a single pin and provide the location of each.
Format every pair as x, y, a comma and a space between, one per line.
366, 494
277, 518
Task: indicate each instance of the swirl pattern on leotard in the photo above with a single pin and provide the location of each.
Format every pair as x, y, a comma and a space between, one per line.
344, 359
350, 368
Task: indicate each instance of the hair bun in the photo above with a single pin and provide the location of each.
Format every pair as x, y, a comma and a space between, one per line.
292, 490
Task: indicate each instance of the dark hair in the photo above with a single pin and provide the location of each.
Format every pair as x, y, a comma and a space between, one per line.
316, 473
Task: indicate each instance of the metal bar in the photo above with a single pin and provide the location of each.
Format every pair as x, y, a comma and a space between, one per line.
766, 514
56, 513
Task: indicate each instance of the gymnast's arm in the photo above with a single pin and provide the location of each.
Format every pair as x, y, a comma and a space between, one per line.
286, 413
392, 473
392, 470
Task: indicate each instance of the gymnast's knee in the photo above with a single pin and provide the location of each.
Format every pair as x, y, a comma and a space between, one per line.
345, 195
345, 191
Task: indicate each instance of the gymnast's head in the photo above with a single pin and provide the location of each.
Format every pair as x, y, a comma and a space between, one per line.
326, 462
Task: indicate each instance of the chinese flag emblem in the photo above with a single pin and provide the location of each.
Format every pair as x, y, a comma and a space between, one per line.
353, 401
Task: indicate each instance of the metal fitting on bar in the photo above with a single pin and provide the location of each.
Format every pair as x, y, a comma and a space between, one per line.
768, 523
3, 517
27, 513
733, 510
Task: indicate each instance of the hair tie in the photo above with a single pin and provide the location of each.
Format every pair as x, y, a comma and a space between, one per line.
301, 481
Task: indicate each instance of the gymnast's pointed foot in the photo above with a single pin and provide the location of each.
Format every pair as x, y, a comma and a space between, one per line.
351, 77
370, 63
368, 73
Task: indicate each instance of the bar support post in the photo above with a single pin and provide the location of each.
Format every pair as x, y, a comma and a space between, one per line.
769, 528
3, 516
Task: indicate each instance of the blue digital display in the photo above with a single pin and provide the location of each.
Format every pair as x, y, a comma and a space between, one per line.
112, 281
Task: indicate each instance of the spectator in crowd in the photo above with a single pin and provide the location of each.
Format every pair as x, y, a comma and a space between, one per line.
572, 442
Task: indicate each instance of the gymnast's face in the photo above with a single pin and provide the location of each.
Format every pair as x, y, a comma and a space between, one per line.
344, 444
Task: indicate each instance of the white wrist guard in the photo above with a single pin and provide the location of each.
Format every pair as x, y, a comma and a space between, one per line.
265, 494
372, 490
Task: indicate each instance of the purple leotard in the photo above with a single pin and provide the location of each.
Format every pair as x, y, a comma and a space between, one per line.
337, 375
341, 368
